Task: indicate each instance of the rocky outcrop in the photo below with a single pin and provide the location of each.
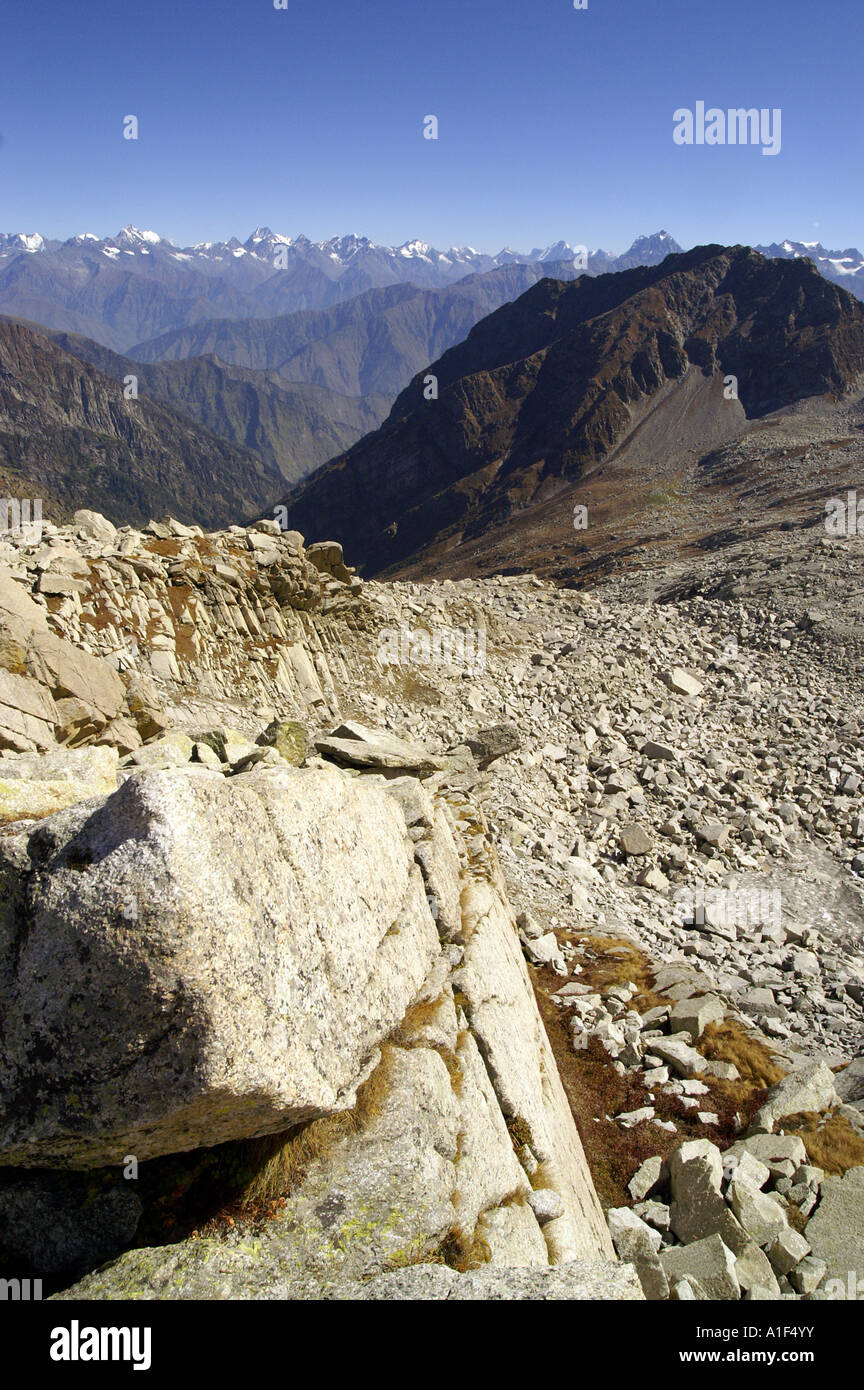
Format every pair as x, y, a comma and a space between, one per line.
573, 728
249, 1277
240, 948
100, 628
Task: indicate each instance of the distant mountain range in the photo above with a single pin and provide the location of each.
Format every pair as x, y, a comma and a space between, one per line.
844, 268
544, 392
128, 289
371, 344
232, 406
124, 289
302, 387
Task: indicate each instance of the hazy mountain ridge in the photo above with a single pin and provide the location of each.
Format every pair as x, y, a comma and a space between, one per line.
373, 343
136, 285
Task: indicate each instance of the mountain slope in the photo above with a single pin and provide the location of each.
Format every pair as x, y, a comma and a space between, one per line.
293, 429
844, 268
547, 389
68, 435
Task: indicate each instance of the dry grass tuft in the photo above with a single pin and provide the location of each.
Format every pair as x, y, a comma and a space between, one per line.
829, 1139
279, 1161
520, 1132
729, 1041
462, 1254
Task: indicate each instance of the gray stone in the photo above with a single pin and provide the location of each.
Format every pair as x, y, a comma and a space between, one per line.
637, 1244
808, 1275
682, 682
687, 1290
646, 1177
173, 749
713, 833
774, 1151
353, 745
810, 1087
787, 1251
545, 1204
544, 950
754, 1270
835, 1231
487, 745
684, 1060
698, 1209
849, 1083
94, 526
658, 752
500, 1002
707, 1261
624, 1224
654, 1214
693, 1015
762, 1216
36, 786
635, 840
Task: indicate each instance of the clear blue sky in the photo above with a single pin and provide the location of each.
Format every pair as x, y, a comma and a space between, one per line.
554, 123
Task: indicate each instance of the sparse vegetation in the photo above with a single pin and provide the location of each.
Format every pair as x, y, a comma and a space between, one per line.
613, 960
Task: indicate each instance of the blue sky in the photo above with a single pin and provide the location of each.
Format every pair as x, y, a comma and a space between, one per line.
553, 123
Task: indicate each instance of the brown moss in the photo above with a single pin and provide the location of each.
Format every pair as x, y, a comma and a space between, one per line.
462, 1253
596, 1092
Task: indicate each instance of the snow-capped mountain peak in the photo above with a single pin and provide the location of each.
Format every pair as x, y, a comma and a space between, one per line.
135, 237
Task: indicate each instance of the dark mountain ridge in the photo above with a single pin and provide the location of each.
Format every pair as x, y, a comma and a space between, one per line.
546, 388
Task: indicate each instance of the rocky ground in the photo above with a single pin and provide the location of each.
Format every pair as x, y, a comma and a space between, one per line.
672, 769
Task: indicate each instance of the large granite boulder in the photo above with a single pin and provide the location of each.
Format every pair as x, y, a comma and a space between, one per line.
196, 959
